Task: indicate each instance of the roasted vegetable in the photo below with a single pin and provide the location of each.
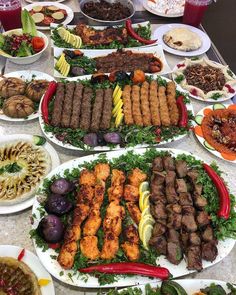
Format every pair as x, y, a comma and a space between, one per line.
137, 76
51, 229
58, 204
214, 290
18, 106
118, 76
172, 288
91, 139
98, 78
61, 186
112, 137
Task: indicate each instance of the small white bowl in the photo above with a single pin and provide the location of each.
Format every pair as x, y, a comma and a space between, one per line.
27, 59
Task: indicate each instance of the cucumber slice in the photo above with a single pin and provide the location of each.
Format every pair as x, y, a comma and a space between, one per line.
39, 140
218, 106
198, 119
208, 146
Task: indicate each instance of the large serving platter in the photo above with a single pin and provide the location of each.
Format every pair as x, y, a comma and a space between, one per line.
161, 31
199, 135
69, 11
71, 27
191, 286
156, 50
68, 146
55, 161
33, 263
224, 247
26, 76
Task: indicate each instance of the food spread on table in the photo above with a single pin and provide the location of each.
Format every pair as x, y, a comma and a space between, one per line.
20, 98
45, 15
128, 210
104, 10
109, 111
205, 79
182, 39
167, 7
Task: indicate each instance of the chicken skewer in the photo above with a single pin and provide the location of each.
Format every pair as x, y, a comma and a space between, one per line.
173, 109
154, 104
145, 104
164, 112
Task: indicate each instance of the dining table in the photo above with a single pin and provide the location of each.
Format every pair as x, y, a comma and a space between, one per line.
15, 228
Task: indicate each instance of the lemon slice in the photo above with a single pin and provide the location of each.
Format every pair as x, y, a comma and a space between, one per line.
144, 186
143, 222
117, 107
142, 197
78, 42
62, 32
117, 97
119, 119
146, 235
146, 210
115, 90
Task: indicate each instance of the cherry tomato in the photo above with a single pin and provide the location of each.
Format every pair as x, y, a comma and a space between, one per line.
47, 20
37, 43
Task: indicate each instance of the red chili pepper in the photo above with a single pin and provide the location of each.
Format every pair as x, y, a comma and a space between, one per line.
130, 268
54, 246
21, 255
134, 35
183, 121
230, 89
180, 65
224, 211
47, 97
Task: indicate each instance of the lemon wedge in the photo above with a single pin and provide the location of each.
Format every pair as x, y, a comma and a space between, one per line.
117, 107
115, 91
142, 197
43, 282
117, 97
143, 222
144, 186
146, 235
119, 119
146, 210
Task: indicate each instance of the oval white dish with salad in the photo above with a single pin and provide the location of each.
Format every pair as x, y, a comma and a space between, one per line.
113, 123
205, 80
88, 233
23, 46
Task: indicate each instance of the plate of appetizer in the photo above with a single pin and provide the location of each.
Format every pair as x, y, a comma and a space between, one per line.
205, 79
23, 46
215, 130
75, 63
20, 95
22, 273
25, 161
102, 37
46, 13
118, 116
41, 1
181, 287
182, 40
130, 211
165, 8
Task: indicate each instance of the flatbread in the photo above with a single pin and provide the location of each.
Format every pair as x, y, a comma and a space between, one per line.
20, 275
182, 39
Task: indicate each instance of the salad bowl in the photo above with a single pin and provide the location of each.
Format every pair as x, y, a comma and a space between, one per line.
27, 59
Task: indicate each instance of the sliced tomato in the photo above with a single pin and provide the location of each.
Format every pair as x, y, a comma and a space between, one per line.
37, 43
54, 246
48, 20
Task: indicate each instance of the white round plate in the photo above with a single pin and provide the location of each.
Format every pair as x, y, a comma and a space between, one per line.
70, 13
156, 12
160, 31
191, 286
34, 264
55, 161
26, 76
224, 247
220, 99
68, 146
35, 1
202, 140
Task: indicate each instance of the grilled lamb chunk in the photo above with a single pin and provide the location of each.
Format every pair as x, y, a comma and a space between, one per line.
181, 168
169, 163
194, 239
209, 251
194, 258
184, 239
157, 188
171, 194
181, 186
199, 201
158, 230
193, 175
198, 189
185, 199
174, 220
173, 235
203, 218
188, 220
159, 243
174, 252
157, 164
175, 208
158, 211
158, 178
208, 234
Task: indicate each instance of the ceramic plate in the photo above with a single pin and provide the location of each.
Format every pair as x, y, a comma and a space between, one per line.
199, 134
228, 91
151, 8
7, 209
41, 1
71, 27
70, 13
160, 31
156, 50
53, 138
191, 286
26, 76
224, 247
33, 262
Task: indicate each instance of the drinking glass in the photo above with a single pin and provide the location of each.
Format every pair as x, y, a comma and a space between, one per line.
10, 14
